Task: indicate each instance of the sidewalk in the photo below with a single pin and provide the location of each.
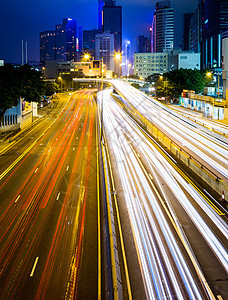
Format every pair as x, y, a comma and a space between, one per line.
7, 141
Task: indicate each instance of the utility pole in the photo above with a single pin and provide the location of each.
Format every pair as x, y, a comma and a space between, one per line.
26, 52
102, 87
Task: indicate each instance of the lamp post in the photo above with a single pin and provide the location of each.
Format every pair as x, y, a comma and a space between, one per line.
60, 78
118, 57
102, 88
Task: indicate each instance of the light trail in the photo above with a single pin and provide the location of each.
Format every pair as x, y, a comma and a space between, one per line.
163, 266
211, 151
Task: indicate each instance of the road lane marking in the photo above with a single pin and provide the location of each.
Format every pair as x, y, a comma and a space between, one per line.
58, 196
219, 297
34, 267
17, 198
36, 170
151, 177
67, 168
73, 148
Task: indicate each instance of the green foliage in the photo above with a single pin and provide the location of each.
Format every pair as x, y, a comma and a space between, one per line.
187, 79
16, 82
135, 85
173, 82
50, 88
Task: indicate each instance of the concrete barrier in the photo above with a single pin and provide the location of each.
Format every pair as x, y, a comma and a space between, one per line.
202, 171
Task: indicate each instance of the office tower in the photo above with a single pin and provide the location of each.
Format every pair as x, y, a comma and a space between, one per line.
186, 35
89, 40
214, 21
143, 44
80, 39
162, 27
104, 48
100, 14
47, 46
67, 42
194, 32
110, 2
112, 22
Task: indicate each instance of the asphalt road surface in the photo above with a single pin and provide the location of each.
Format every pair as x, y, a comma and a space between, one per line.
49, 207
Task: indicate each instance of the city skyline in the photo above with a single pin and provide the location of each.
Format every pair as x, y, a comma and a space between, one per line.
137, 19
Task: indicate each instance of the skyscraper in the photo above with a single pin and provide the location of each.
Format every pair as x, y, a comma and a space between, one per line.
214, 21
104, 48
112, 22
100, 14
67, 42
110, 2
47, 46
89, 40
186, 35
162, 27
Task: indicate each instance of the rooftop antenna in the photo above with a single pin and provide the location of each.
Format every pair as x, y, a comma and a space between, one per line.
26, 52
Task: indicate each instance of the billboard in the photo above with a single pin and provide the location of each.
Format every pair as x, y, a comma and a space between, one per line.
96, 64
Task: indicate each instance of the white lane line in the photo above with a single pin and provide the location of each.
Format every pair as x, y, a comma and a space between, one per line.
67, 168
58, 196
34, 266
36, 170
17, 198
73, 148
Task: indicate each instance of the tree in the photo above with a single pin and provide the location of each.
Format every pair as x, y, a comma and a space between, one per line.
187, 79
50, 88
19, 81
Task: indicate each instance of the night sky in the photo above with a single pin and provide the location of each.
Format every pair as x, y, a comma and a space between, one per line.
24, 19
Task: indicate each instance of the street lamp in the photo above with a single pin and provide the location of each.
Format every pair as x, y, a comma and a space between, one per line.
102, 88
118, 57
60, 78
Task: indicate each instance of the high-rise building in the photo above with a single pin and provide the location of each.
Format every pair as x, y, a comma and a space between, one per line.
186, 35
112, 22
80, 39
67, 42
100, 14
162, 34
142, 44
194, 32
47, 46
104, 48
110, 2
89, 40
214, 21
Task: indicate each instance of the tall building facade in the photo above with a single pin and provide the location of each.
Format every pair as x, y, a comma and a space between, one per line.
67, 42
89, 40
214, 21
104, 48
186, 35
194, 32
100, 14
112, 22
63, 44
162, 35
47, 46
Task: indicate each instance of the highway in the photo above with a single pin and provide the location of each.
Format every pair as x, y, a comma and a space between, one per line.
49, 191
206, 148
180, 238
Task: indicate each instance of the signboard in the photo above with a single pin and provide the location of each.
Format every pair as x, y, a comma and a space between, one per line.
96, 64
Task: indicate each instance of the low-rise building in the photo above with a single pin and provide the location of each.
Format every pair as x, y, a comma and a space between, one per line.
146, 64
83, 68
